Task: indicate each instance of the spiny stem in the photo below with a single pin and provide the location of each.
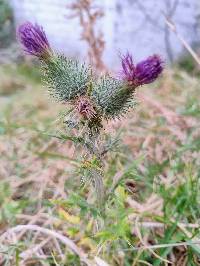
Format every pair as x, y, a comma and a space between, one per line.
97, 174
99, 188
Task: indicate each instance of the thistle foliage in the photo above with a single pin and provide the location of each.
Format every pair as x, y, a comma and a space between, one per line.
91, 99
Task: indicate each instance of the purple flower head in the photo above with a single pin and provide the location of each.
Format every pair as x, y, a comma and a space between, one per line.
34, 40
144, 72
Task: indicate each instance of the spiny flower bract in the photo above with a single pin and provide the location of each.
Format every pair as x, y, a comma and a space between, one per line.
67, 79
112, 97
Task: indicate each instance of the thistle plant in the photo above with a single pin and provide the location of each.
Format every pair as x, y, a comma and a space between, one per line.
92, 100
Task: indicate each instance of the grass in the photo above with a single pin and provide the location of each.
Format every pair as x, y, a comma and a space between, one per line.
47, 215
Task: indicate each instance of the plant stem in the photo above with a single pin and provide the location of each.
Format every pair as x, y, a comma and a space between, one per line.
97, 174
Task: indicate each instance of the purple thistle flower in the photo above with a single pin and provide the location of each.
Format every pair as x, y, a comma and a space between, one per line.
144, 72
34, 40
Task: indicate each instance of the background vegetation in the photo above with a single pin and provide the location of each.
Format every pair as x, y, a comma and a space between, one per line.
6, 24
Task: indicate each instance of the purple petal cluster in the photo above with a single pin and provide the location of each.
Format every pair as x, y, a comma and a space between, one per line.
142, 73
34, 40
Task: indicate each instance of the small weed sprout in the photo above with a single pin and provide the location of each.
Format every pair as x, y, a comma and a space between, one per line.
92, 99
